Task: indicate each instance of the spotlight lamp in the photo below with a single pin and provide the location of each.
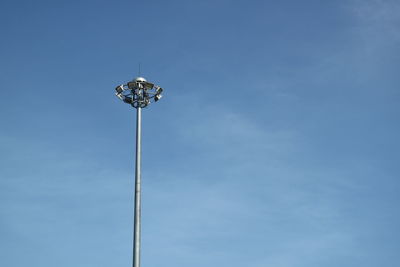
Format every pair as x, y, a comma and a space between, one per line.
157, 97
138, 92
119, 89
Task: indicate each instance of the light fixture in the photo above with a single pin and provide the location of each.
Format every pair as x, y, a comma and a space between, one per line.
119, 89
139, 92
157, 97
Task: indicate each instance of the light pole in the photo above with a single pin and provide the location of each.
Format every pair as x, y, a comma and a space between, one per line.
139, 93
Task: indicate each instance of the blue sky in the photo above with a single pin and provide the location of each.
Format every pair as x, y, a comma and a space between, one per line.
275, 144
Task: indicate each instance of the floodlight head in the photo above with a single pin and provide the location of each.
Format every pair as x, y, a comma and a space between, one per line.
128, 100
139, 93
119, 89
157, 97
148, 85
159, 90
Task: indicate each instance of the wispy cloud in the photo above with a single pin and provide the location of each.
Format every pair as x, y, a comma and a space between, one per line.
377, 24
256, 196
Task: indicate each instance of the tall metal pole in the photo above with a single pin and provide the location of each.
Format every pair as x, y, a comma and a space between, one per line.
139, 94
137, 215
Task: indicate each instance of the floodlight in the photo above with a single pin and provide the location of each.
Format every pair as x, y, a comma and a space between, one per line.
159, 90
148, 85
139, 92
119, 89
128, 99
157, 97
132, 85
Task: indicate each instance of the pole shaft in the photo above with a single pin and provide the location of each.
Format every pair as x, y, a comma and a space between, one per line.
137, 211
